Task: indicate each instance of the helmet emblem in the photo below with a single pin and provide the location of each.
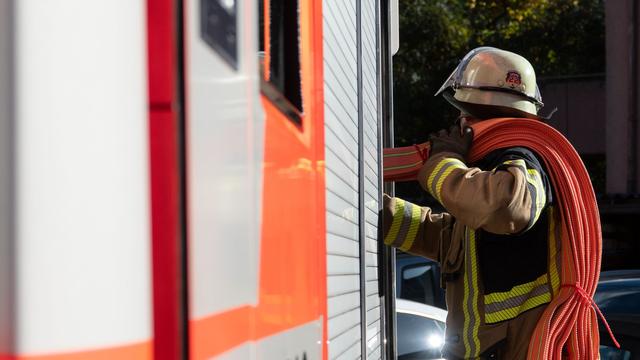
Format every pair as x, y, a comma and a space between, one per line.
513, 79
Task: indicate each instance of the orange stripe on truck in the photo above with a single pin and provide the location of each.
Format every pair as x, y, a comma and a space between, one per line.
218, 333
292, 278
137, 351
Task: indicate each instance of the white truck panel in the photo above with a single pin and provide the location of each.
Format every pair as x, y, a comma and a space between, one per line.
341, 161
82, 240
370, 118
343, 172
224, 147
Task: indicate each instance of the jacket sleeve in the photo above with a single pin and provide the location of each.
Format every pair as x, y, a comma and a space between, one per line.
506, 200
414, 229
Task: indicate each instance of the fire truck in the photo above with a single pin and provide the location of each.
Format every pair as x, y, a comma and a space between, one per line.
194, 179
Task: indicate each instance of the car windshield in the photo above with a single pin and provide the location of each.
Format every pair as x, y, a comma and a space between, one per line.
419, 337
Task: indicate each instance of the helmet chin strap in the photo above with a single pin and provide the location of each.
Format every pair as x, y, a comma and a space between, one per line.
550, 114
464, 120
484, 112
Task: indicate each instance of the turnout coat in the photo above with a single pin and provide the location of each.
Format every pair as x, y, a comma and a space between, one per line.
498, 245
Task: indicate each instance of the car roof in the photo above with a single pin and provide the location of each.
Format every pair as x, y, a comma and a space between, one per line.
619, 274
416, 308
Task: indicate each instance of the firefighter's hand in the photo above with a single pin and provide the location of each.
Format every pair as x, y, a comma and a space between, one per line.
454, 140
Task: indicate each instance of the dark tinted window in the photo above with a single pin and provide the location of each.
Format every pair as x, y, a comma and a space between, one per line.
419, 337
218, 28
285, 52
283, 85
418, 284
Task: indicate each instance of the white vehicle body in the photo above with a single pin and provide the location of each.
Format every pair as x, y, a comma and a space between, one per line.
156, 200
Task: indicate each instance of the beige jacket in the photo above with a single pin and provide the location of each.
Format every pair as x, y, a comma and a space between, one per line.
497, 245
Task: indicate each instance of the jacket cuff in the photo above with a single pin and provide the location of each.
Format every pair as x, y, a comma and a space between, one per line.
402, 222
436, 170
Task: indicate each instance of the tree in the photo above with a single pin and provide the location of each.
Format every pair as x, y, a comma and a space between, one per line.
559, 37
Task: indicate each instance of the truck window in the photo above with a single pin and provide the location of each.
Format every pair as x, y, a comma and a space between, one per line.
279, 50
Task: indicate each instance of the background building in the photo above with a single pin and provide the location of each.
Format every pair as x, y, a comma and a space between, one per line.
599, 113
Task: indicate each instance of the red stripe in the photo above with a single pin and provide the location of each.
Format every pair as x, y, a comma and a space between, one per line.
165, 181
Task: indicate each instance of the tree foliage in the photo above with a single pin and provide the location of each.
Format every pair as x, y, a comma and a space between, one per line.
559, 37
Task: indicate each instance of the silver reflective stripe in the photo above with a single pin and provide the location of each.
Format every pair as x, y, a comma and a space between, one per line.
533, 214
534, 178
517, 301
404, 227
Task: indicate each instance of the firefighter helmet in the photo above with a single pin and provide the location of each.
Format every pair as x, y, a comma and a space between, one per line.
490, 83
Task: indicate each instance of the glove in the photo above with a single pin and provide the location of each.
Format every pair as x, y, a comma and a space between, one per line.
455, 140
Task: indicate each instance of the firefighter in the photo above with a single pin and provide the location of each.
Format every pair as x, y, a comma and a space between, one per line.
497, 242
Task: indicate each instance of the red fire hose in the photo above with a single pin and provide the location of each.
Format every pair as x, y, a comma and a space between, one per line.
569, 322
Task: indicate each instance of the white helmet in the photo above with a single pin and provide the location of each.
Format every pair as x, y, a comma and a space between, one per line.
490, 83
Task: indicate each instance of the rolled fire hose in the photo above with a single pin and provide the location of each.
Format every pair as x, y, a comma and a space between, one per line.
569, 324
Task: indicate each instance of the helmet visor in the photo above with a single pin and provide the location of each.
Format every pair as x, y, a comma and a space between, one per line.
454, 80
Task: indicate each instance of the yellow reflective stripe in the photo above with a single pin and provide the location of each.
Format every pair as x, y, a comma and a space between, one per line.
444, 176
440, 173
396, 222
512, 307
534, 178
476, 293
515, 311
517, 162
413, 228
470, 298
433, 174
467, 317
553, 253
515, 291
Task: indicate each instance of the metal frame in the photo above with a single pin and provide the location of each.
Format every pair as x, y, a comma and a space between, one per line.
8, 337
181, 110
361, 190
386, 255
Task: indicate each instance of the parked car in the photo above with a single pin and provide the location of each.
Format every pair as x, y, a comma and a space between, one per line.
618, 297
420, 330
421, 302
418, 279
